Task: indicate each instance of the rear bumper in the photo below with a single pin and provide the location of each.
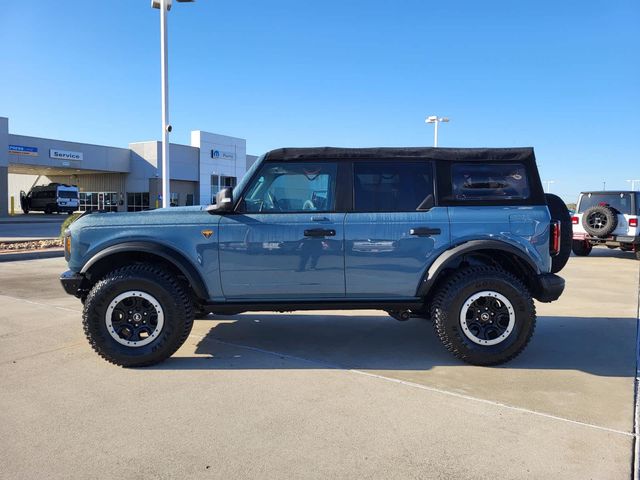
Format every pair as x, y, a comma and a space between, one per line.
73, 283
61, 208
611, 239
550, 287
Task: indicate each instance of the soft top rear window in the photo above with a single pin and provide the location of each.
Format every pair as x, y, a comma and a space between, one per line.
621, 202
490, 181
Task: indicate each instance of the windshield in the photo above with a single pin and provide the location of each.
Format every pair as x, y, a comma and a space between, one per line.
67, 194
621, 202
243, 182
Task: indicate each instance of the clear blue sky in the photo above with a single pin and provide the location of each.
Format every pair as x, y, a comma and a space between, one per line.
562, 76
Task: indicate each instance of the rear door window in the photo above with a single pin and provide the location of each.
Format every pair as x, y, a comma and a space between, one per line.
621, 202
490, 181
393, 186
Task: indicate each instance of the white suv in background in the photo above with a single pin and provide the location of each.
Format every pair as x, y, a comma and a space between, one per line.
607, 218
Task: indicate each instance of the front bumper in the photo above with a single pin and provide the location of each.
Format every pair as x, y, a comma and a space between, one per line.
550, 287
73, 283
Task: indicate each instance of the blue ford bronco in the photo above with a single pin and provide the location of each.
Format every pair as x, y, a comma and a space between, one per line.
464, 237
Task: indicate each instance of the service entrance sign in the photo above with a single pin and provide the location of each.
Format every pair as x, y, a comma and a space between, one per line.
65, 154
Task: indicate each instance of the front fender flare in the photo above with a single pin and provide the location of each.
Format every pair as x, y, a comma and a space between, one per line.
168, 253
449, 257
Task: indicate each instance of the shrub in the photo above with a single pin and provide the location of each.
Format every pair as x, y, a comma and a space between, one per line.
68, 221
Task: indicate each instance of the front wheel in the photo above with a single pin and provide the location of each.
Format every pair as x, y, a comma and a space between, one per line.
137, 316
581, 248
484, 315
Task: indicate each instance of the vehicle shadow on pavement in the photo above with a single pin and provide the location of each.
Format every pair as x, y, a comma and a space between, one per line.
597, 346
608, 253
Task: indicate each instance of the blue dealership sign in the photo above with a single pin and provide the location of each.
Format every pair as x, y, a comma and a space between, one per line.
22, 150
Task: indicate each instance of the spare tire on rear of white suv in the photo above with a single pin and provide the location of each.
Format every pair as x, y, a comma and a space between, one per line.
560, 213
600, 220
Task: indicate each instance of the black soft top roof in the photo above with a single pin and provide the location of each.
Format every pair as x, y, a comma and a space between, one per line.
430, 153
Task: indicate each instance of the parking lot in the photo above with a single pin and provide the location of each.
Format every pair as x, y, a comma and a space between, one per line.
321, 394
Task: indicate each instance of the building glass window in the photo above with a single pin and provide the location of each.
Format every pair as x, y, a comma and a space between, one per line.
218, 182
215, 187
137, 201
103, 201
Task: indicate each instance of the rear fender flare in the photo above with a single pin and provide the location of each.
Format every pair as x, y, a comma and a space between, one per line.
453, 255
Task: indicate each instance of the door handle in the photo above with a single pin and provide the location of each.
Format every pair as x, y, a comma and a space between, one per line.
319, 218
424, 231
319, 232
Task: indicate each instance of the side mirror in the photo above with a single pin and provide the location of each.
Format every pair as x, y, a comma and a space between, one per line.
224, 202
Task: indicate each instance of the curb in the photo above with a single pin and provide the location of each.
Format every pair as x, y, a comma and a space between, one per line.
32, 255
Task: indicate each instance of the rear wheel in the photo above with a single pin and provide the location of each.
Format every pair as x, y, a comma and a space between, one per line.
637, 254
137, 316
581, 248
484, 315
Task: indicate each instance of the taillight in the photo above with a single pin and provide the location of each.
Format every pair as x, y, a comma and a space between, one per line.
554, 245
633, 222
575, 220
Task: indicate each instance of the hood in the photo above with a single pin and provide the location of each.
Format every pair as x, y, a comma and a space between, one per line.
159, 216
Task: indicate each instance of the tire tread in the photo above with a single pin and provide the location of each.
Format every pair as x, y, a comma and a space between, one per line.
449, 287
178, 292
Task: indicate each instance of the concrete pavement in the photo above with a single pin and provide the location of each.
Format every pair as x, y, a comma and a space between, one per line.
319, 394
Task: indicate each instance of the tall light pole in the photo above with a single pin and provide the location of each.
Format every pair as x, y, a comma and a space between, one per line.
633, 184
548, 184
435, 120
165, 6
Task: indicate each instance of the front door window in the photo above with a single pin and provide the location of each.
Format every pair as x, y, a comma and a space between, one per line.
289, 187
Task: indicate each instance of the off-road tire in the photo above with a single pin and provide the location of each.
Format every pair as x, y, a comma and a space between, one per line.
581, 248
560, 213
458, 288
610, 216
175, 302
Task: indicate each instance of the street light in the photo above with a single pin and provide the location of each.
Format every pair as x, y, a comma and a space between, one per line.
435, 120
548, 183
165, 6
633, 184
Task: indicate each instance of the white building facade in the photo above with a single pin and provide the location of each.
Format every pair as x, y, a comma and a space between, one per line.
121, 179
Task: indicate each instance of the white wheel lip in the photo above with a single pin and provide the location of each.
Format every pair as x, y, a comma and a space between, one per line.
463, 318
134, 293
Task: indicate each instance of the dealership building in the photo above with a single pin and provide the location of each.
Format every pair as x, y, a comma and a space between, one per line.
121, 179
